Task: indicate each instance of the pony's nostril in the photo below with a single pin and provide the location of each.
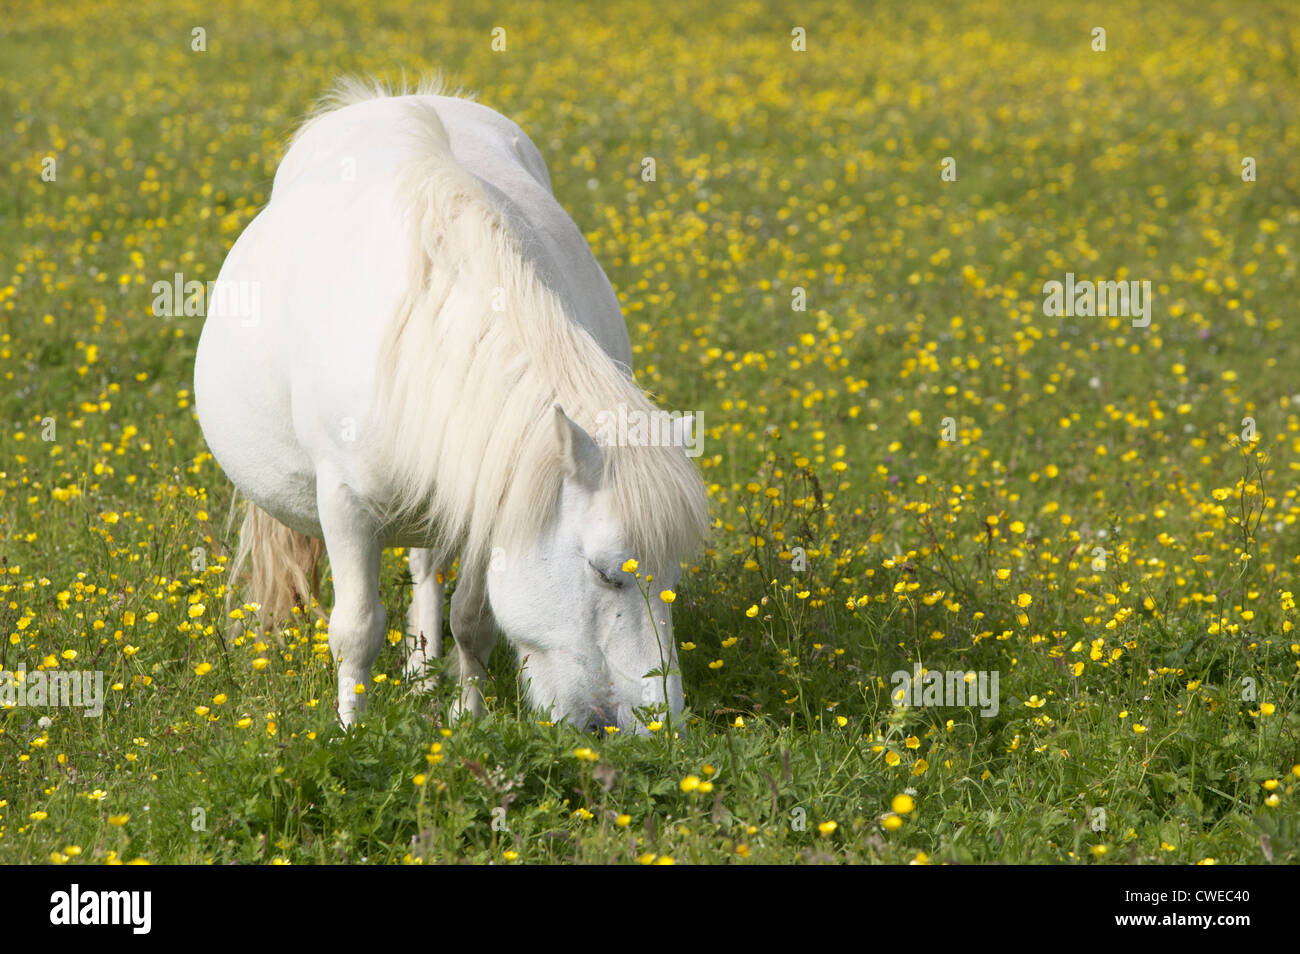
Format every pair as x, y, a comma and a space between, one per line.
600, 718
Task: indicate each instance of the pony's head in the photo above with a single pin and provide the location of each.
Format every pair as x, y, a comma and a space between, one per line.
592, 631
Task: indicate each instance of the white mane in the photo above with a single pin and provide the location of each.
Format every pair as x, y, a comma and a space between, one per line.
466, 393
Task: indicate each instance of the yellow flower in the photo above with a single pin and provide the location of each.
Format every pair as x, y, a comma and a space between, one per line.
667, 596
826, 828
752, 612
903, 804
1034, 702
118, 820
891, 823
629, 566
690, 783
622, 821
1023, 600
419, 780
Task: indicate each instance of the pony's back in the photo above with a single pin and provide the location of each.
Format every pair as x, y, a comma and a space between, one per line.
368, 133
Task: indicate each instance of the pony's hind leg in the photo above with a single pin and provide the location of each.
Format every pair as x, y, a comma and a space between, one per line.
424, 619
476, 633
357, 620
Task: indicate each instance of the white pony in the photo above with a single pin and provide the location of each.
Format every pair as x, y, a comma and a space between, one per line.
429, 345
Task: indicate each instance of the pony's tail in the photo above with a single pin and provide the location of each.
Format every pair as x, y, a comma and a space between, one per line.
283, 566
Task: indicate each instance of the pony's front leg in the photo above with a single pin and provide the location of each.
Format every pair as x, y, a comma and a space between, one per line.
424, 620
475, 632
357, 620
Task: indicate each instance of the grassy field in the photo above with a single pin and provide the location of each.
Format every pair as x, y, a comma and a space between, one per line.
919, 466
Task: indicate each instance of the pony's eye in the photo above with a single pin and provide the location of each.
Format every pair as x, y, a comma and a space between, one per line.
605, 578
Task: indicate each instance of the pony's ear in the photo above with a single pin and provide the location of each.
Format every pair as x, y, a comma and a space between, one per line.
579, 455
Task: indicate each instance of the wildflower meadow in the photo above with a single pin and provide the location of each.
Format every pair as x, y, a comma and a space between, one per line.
987, 315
